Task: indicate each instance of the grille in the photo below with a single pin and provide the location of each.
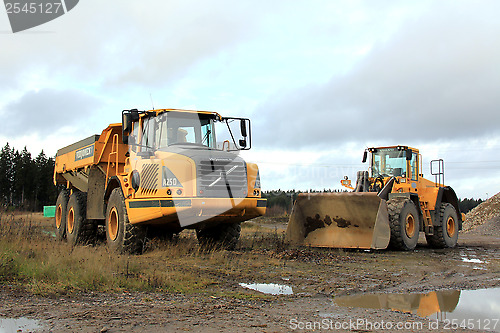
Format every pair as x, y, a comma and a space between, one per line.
149, 179
222, 178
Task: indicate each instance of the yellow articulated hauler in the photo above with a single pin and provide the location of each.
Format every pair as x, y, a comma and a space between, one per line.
389, 206
157, 173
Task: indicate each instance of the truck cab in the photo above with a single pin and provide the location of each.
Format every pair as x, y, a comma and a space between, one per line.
175, 155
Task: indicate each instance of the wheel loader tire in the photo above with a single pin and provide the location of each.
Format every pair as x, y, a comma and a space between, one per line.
446, 234
79, 230
404, 223
223, 236
121, 235
60, 216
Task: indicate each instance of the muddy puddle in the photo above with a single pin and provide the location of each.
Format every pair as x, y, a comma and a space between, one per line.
15, 325
477, 308
269, 288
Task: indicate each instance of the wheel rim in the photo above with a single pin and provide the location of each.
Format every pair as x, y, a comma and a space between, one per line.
450, 226
58, 216
113, 224
410, 226
71, 220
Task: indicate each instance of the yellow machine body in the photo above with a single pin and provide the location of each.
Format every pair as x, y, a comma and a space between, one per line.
362, 219
169, 191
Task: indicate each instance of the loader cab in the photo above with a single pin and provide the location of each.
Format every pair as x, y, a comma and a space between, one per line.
400, 162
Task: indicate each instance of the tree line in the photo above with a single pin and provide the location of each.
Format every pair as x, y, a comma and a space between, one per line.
26, 182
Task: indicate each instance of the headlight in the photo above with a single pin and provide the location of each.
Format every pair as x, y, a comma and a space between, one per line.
135, 179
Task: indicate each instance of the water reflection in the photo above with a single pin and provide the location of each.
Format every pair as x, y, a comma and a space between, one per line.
269, 288
481, 306
422, 305
13, 325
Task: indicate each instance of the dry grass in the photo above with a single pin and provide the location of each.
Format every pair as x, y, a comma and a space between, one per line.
30, 257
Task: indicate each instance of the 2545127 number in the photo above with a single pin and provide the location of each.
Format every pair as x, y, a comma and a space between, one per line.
471, 324
33, 8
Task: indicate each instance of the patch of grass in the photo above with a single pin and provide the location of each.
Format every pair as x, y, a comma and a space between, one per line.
30, 257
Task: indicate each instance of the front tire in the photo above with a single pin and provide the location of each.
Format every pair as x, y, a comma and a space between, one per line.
446, 234
404, 223
121, 235
60, 216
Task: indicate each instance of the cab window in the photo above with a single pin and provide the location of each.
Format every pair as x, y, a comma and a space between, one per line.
414, 166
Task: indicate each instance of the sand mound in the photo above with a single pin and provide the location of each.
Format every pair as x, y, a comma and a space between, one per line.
485, 217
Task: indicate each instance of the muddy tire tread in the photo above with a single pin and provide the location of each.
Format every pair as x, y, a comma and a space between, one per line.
394, 207
437, 240
62, 199
85, 230
134, 236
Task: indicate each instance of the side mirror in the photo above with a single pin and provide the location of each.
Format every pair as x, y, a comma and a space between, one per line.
365, 156
243, 143
243, 127
128, 117
126, 126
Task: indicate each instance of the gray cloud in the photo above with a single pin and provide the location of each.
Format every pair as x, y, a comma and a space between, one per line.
46, 111
437, 78
119, 42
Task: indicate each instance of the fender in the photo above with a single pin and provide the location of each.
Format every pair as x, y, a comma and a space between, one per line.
113, 182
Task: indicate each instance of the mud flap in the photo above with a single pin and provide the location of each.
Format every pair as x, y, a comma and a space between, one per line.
339, 220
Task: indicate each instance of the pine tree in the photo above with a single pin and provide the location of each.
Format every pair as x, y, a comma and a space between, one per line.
6, 174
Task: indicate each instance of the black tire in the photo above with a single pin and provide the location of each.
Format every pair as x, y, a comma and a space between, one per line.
405, 224
121, 235
446, 234
60, 216
79, 230
224, 236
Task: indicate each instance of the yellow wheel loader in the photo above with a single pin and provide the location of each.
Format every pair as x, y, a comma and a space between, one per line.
388, 207
155, 174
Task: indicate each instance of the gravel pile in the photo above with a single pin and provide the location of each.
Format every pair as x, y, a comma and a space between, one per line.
485, 212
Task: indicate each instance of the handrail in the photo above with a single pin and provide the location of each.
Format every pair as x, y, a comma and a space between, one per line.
439, 175
113, 153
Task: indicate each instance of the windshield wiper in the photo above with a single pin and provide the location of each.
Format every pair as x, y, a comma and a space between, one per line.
206, 137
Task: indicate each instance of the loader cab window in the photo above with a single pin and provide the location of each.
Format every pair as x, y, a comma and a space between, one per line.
414, 166
388, 162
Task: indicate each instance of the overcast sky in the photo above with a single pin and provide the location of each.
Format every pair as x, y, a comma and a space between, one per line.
321, 80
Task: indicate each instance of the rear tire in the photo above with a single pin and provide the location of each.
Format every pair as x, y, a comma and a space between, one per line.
60, 216
223, 236
121, 235
446, 234
79, 230
404, 223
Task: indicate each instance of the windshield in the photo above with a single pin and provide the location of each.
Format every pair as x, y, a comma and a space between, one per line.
176, 128
387, 162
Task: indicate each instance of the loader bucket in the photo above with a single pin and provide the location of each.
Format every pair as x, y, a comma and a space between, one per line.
339, 220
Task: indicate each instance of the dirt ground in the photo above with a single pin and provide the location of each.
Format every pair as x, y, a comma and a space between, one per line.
319, 277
